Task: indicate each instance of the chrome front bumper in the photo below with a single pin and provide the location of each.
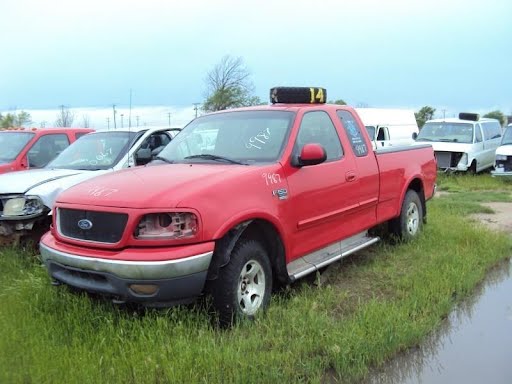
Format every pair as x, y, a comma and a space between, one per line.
140, 270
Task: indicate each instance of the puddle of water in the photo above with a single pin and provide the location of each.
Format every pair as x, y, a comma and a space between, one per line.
474, 345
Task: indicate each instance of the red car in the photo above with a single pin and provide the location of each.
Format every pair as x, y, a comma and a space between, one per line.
239, 200
24, 148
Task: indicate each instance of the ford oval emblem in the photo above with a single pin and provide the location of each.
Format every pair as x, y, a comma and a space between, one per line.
85, 224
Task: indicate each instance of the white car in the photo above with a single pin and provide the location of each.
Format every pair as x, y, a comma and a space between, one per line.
27, 197
464, 144
503, 159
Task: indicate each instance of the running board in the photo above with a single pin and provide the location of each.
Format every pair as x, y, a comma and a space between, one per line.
314, 261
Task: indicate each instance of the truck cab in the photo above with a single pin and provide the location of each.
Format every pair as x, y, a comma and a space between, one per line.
26, 148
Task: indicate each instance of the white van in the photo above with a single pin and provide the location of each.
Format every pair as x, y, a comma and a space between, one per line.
466, 143
503, 159
388, 127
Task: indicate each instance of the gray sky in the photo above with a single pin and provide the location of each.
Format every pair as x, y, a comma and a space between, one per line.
448, 54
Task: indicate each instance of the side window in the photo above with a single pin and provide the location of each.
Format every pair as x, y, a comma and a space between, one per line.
317, 127
46, 148
478, 133
492, 130
354, 133
79, 135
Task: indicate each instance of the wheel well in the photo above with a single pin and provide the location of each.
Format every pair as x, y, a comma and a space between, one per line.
417, 186
257, 229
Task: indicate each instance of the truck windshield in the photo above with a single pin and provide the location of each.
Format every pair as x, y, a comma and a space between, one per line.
232, 137
100, 150
11, 144
448, 132
507, 137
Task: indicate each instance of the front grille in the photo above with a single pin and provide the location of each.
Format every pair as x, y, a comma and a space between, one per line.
505, 164
447, 159
107, 227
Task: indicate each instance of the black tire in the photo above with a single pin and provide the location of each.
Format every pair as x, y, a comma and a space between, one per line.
472, 168
408, 225
232, 299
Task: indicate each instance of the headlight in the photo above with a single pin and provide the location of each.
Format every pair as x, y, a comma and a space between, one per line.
501, 157
22, 206
167, 226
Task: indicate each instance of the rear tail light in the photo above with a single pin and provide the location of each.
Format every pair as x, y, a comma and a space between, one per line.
167, 226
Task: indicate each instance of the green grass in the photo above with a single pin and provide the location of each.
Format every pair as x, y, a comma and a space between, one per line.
359, 313
468, 182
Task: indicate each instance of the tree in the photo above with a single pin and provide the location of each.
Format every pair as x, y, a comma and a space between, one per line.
86, 121
229, 85
23, 118
498, 115
424, 114
338, 101
65, 117
15, 120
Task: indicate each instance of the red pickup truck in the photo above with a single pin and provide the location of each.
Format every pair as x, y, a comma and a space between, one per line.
238, 201
24, 148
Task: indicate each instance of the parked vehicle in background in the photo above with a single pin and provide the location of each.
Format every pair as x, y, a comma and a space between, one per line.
276, 193
465, 144
24, 148
503, 158
26, 198
389, 126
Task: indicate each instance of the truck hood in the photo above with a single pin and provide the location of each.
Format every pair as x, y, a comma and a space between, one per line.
504, 150
157, 186
44, 183
447, 147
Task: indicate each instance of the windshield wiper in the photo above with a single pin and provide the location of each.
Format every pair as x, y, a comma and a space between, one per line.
449, 140
208, 156
164, 159
423, 139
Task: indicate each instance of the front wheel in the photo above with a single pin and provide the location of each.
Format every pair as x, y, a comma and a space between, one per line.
244, 285
408, 225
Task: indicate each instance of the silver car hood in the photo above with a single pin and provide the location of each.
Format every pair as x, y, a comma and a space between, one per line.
44, 183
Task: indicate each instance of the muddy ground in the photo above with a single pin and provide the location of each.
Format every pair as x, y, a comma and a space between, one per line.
501, 220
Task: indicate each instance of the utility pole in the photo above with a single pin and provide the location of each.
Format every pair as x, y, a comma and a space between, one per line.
108, 123
169, 115
444, 113
122, 115
137, 117
114, 108
195, 107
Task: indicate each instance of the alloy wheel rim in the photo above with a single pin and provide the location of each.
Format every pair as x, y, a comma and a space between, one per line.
413, 218
251, 287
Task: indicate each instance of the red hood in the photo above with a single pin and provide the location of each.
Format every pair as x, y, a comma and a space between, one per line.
159, 186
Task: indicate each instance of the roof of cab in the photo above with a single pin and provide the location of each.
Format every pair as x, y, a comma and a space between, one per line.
457, 120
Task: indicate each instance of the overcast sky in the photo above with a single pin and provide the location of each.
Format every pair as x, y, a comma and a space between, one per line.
448, 54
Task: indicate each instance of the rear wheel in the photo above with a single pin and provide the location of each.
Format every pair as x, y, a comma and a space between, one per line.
408, 225
244, 285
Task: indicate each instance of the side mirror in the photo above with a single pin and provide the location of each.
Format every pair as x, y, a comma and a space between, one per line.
143, 156
311, 154
414, 135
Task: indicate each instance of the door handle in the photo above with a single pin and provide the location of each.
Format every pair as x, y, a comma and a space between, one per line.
350, 176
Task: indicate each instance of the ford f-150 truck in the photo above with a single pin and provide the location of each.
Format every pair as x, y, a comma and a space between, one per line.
27, 197
24, 148
238, 201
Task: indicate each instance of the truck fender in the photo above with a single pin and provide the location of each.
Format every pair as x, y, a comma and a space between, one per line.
223, 248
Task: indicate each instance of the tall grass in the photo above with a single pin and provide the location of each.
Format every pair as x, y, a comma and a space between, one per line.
357, 314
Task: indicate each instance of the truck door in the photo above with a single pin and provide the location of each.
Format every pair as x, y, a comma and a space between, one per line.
322, 197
